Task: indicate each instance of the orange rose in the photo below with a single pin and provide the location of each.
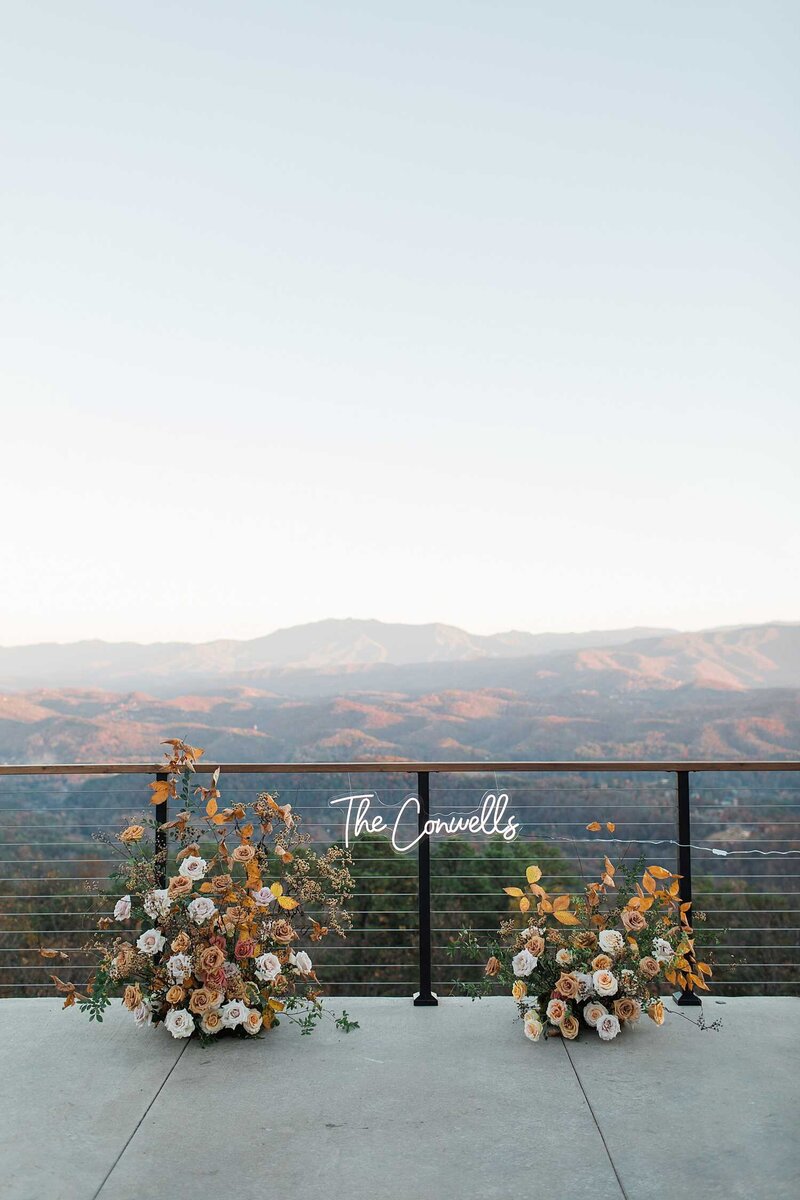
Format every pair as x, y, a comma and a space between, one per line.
535, 945
567, 986
175, 995
210, 960
132, 834
520, 990
649, 967
493, 966
244, 853
601, 963
633, 920
212, 1021
221, 884
626, 1009
281, 931
179, 885
132, 997
569, 1027
200, 1001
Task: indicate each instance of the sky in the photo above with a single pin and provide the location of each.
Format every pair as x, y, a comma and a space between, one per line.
483, 313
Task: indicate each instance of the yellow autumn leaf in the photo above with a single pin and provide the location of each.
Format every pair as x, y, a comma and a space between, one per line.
524, 904
533, 874
593, 827
660, 872
246, 832
545, 907
610, 826
566, 918
206, 888
609, 867
648, 883
560, 903
513, 891
276, 1005
212, 807
645, 903
705, 968
160, 790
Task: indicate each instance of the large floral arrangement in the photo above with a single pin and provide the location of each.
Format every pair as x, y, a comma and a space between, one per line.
596, 960
219, 947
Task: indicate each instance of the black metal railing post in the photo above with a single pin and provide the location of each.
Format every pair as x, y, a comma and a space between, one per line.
686, 996
162, 816
424, 996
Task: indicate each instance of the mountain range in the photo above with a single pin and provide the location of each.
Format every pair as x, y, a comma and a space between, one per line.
339, 690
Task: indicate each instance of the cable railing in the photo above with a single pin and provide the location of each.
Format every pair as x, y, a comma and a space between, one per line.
731, 830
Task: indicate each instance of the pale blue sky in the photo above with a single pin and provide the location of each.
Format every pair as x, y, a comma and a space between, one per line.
479, 312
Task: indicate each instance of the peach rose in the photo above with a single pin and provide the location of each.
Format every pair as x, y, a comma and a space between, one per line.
200, 1001
179, 885
211, 1021
567, 986
281, 931
244, 853
181, 943
626, 1009
520, 990
556, 1011
133, 833
649, 967
569, 1027
221, 884
633, 920
132, 997
210, 960
535, 945
601, 963
253, 1020
492, 966
175, 995
245, 948
656, 1012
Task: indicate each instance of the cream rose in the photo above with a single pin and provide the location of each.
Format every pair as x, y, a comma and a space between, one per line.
605, 984
211, 1022
193, 867
593, 1012
179, 1023
611, 941
233, 1013
533, 1026
157, 903
302, 962
563, 957
268, 967
524, 962
179, 967
201, 909
556, 1011
608, 1027
122, 909
151, 942
253, 1020
662, 951
143, 1014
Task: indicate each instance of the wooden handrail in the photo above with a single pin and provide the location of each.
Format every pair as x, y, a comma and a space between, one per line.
401, 766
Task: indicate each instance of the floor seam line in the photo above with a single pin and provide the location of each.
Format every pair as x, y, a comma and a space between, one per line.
596, 1122
136, 1128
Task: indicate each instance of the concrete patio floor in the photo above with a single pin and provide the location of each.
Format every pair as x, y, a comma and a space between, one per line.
418, 1104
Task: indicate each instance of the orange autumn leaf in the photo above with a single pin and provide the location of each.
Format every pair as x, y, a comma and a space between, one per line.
524, 904
649, 883
161, 791
593, 827
513, 891
610, 826
560, 903
660, 872
566, 918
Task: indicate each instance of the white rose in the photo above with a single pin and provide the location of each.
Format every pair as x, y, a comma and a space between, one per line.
264, 897
563, 957
585, 985
605, 984
267, 966
611, 941
157, 903
524, 962
179, 1022
179, 967
151, 942
122, 909
608, 1027
143, 1014
233, 1013
193, 867
202, 909
302, 962
594, 1012
662, 951
533, 1027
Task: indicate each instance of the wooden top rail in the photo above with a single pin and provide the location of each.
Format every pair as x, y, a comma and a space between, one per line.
400, 767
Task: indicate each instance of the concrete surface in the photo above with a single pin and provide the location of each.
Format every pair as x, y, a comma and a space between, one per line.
437, 1104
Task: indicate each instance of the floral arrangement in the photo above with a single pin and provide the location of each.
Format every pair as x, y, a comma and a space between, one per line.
595, 960
218, 947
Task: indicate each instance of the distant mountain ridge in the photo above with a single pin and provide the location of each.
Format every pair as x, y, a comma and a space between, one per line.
325, 646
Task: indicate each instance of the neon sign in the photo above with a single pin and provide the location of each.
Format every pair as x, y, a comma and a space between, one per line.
489, 819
